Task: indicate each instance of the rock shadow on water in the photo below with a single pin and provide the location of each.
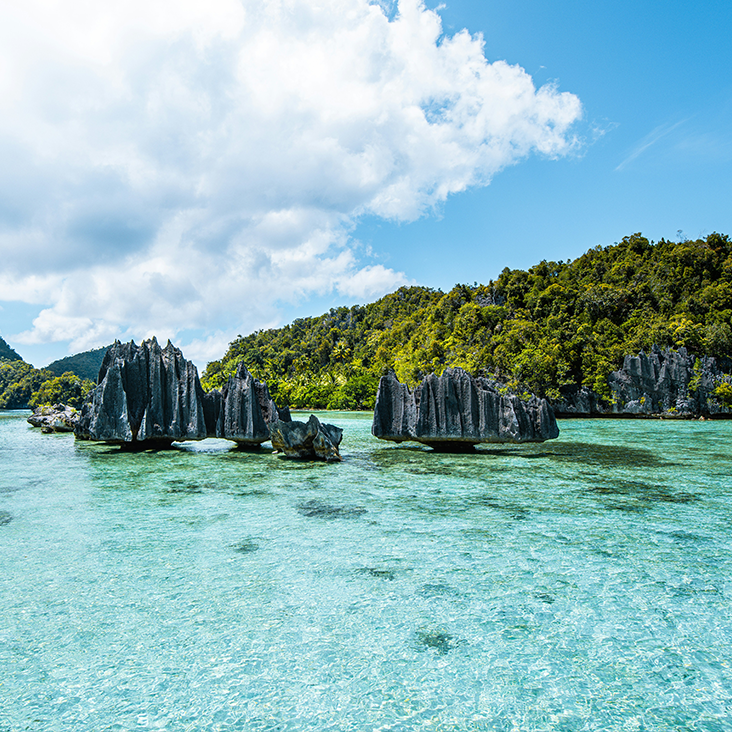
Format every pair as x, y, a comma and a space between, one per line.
251, 493
148, 445
435, 640
18, 485
255, 448
378, 573
516, 512
635, 496
545, 597
437, 589
246, 546
184, 487
323, 510
684, 537
606, 456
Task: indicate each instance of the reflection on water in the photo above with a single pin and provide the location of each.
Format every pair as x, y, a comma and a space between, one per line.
579, 584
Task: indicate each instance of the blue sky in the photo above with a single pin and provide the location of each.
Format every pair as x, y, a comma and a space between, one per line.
655, 81
200, 170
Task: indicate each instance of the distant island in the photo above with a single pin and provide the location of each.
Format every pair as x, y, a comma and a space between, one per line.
561, 330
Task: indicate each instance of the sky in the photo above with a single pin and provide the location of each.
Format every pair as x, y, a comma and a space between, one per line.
198, 170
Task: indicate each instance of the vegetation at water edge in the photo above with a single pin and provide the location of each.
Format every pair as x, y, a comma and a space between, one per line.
556, 324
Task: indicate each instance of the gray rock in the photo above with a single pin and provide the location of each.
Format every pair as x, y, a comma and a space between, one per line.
58, 418
456, 411
667, 383
151, 397
663, 383
243, 410
578, 401
310, 440
147, 396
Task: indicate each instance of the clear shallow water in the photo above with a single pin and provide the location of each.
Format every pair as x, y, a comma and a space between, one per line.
582, 584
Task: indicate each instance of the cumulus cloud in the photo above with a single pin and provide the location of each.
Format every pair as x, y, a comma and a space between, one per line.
171, 165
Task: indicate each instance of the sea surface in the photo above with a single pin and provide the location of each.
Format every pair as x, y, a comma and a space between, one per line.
580, 584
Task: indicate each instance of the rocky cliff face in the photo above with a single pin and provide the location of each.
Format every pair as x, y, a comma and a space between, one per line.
456, 411
669, 383
662, 383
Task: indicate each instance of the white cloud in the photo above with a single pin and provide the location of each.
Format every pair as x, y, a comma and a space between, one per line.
174, 165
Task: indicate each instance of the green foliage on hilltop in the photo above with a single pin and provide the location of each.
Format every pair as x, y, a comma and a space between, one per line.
333, 361
557, 324
23, 386
65, 389
7, 353
18, 381
85, 365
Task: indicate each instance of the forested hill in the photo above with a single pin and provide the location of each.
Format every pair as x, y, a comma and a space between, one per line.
557, 324
65, 381
85, 365
7, 353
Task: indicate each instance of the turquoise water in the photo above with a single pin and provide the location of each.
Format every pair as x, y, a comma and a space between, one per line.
582, 584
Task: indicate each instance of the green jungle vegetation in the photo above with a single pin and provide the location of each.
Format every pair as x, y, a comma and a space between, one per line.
18, 381
7, 353
66, 381
558, 324
65, 389
85, 365
22, 386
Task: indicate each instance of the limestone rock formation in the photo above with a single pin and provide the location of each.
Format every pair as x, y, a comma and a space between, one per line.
456, 411
667, 383
147, 396
308, 440
578, 401
150, 396
662, 383
243, 410
58, 418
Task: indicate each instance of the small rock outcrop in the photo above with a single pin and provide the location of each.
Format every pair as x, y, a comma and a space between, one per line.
667, 383
307, 440
663, 383
243, 410
456, 411
58, 418
578, 401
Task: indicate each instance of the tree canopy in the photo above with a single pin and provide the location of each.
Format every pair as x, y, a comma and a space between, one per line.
7, 353
23, 386
555, 324
85, 365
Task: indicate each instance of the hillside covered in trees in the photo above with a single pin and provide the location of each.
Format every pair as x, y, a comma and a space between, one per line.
558, 324
22, 385
85, 365
7, 353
